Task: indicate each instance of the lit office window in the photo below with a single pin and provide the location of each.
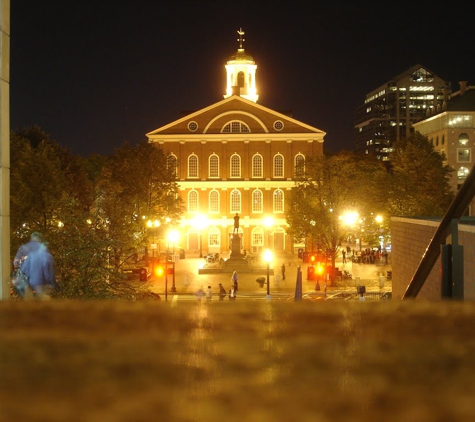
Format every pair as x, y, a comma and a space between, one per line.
463, 155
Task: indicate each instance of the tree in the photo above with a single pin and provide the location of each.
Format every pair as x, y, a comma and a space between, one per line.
419, 181
86, 208
136, 184
331, 186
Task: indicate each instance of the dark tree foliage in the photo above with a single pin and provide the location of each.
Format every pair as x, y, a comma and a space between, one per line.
419, 182
66, 198
332, 186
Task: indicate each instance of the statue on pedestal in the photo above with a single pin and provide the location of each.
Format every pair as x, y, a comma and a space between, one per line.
236, 223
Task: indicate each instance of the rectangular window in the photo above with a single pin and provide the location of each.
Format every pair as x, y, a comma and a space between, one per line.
463, 155
213, 239
257, 239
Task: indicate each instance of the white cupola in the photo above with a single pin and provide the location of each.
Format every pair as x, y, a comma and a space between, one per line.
241, 73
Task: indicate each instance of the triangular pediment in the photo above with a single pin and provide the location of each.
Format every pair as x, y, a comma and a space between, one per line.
212, 119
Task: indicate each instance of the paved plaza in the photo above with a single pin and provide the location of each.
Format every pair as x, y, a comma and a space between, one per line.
188, 279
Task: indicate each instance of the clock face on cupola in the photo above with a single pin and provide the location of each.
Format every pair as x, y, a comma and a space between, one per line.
241, 73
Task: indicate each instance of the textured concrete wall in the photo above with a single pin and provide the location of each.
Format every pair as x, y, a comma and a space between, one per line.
410, 239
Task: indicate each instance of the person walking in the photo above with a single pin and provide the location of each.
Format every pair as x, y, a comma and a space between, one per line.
209, 294
283, 271
234, 279
200, 294
222, 292
36, 239
232, 293
343, 254
38, 266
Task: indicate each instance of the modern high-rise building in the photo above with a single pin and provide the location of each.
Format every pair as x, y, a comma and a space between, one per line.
389, 111
236, 158
451, 130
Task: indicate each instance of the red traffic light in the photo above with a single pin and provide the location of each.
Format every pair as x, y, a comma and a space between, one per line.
159, 271
320, 269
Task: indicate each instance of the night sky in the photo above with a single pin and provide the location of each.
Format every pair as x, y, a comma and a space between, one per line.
95, 74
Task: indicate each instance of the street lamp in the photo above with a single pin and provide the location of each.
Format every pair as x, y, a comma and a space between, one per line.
201, 222
268, 258
173, 236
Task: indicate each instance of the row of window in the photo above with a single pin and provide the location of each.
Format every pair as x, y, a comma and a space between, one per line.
235, 165
235, 201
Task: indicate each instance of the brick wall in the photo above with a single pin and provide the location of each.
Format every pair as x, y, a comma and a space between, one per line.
410, 239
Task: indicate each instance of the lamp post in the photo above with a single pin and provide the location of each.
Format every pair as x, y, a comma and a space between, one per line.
268, 259
173, 236
201, 222
152, 225
268, 223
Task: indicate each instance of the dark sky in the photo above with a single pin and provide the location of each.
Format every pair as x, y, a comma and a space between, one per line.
95, 74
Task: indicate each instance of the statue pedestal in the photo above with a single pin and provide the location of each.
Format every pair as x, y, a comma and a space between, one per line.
236, 257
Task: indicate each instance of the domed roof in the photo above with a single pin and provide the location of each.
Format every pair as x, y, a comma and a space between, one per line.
241, 56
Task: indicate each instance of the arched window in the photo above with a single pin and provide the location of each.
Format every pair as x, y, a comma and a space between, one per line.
214, 201
240, 79
235, 126
235, 166
278, 165
213, 165
193, 165
299, 164
193, 201
172, 164
278, 200
257, 201
235, 201
257, 166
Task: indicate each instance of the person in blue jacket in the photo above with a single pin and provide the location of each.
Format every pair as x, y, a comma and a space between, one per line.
38, 265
